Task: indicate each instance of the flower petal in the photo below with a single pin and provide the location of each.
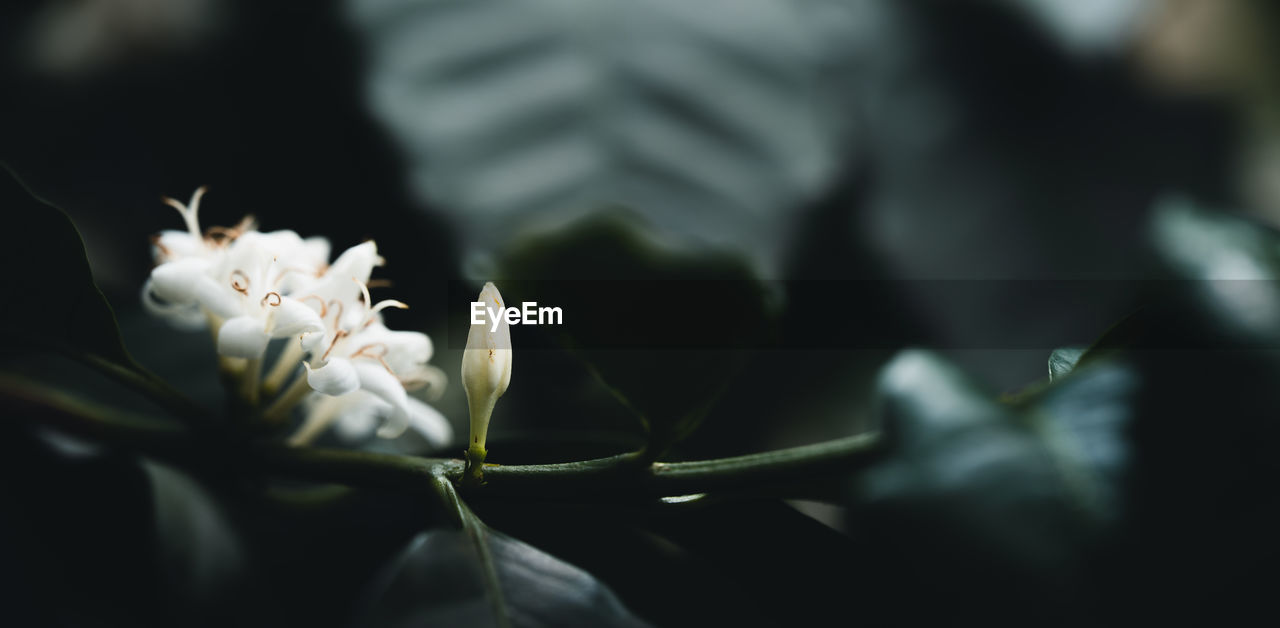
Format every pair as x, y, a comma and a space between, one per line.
175, 245
221, 299
407, 351
315, 251
428, 422
242, 337
356, 263
337, 377
313, 343
376, 379
359, 416
178, 282
293, 318
186, 317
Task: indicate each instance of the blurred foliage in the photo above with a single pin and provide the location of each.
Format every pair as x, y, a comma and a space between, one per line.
705, 117
683, 348
1133, 487
436, 581
57, 305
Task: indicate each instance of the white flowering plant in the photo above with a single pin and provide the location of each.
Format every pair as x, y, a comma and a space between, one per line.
303, 349
1019, 483
336, 358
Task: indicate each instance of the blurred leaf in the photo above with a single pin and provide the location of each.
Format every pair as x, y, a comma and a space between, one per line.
55, 303
531, 114
199, 548
1233, 265
74, 532
657, 579
477, 576
1203, 243
1061, 361
1086, 420
787, 568
664, 331
1222, 289
979, 497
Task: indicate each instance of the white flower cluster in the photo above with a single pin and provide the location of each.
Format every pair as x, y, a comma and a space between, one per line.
251, 287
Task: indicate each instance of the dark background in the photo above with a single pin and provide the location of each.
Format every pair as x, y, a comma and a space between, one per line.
965, 143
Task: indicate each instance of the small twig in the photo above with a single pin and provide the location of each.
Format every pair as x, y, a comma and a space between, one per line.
278, 412
784, 472
30, 400
150, 385
478, 532
622, 476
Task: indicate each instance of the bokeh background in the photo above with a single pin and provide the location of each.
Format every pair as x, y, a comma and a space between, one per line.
913, 143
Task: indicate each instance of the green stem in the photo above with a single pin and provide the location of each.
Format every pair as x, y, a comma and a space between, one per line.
278, 412
284, 368
473, 473
617, 476
784, 472
36, 402
150, 385
250, 386
478, 532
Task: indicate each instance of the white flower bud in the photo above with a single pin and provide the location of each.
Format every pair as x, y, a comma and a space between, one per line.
486, 367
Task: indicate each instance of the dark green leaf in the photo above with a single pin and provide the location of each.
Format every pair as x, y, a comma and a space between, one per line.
657, 579
477, 576
54, 305
668, 364
1061, 361
199, 549
74, 531
1232, 267
976, 497
53, 301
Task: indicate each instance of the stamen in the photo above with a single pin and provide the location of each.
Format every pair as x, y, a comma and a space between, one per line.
248, 223
364, 291
337, 318
221, 233
382, 305
383, 361
324, 311
380, 357
189, 212
267, 298
379, 283
291, 269
194, 205
164, 250
237, 285
361, 351
415, 383
176, 204
336, 337
428, 376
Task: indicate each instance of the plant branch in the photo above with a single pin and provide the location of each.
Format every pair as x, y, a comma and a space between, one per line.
623, 475
795, 471
150, 385
478, 533
31, 400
